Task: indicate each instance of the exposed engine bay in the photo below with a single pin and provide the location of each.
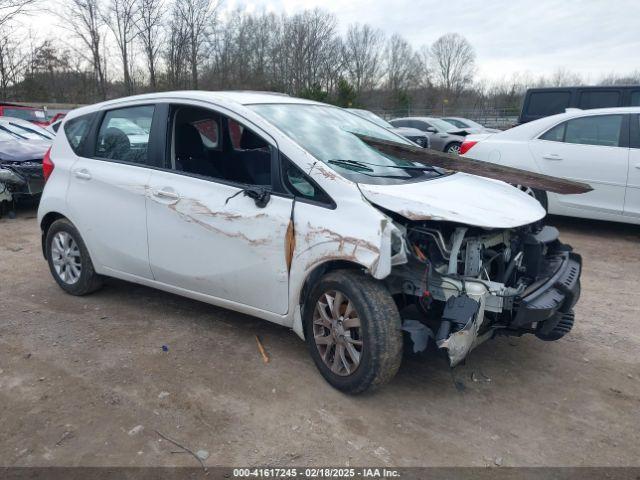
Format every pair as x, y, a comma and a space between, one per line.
470, 284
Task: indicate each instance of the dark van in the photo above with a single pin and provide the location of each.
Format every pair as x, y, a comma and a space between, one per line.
542, 102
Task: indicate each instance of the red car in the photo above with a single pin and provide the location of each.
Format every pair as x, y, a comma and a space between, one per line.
32, 114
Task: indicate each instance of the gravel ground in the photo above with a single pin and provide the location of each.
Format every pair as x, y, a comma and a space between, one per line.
85, 381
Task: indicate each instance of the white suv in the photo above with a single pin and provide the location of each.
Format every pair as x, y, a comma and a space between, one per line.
271, 206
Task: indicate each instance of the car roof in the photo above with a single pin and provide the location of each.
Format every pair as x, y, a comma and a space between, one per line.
415, 118
240, 97
536, 127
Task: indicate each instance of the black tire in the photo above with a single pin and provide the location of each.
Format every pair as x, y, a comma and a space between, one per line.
88, 281
453, 148
541, 196
381, 333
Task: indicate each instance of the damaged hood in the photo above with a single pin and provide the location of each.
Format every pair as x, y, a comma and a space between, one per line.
459, 198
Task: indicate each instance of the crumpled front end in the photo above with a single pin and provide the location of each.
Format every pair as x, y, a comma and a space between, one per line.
470, 284
21, 178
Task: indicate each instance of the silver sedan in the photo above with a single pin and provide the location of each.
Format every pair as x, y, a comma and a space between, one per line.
443, 136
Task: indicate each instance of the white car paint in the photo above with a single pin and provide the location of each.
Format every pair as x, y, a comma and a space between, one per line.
612, 171
202, 239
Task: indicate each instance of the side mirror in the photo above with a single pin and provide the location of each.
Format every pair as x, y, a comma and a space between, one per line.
431, 130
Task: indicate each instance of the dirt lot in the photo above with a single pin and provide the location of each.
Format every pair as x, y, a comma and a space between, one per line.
85, 381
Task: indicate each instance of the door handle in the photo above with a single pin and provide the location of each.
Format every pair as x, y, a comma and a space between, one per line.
551, 156
82, 174
638, 166
166, 193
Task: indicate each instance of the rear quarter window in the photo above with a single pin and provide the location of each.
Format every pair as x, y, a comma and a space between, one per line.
548, 103
76, 131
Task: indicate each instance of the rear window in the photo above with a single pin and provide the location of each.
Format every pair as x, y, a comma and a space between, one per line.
599, 99
548, 103
76, 131
30, 114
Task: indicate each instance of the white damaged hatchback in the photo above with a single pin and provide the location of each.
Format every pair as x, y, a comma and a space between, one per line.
273, 206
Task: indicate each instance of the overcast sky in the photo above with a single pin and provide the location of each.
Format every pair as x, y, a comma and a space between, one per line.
590, 37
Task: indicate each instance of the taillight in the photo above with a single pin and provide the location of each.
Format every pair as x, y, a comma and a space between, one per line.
466, 146
47, 165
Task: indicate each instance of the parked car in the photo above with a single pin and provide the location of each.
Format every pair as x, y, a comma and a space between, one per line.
542, 102
25, 130
413, 134
22, 148
600, 147
469, 126
303, 224
31, 114
442, 135
53, 127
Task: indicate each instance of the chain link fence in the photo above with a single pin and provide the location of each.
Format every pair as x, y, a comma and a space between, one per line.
501, 118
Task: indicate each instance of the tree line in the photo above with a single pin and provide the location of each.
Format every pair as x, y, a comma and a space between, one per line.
109, 48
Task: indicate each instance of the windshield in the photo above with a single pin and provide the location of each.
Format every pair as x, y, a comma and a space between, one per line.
328, 134
441, 125
27, 131
371, 117
31, 114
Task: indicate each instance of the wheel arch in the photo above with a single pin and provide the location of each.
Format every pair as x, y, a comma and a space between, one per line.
45, 224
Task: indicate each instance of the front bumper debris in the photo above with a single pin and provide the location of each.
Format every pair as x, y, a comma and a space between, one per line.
557, 294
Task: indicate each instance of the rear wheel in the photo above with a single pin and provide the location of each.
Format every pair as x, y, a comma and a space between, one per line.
69, 259
453, 148
352, 330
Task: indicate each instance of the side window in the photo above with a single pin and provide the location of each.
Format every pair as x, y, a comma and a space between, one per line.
400, 123
556, 134
300, 185
124, 134
209, 144
76, 130
598, 130
548, 103
635, 98
599, 99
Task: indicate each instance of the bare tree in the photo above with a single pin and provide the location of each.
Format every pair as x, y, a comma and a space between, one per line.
454, 63
84, 19
176, 50
121, 18
196, 16
150, 31
401, 65
11, 64
9, 9
361, 50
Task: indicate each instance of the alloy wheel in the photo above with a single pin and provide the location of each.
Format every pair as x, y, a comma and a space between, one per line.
337, 332
454, 149
65, 255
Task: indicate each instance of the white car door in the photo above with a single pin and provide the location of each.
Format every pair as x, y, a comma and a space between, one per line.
106, 194
632, 199
588, 149
210, 230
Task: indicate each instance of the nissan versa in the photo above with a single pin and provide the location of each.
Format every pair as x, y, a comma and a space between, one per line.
273, 206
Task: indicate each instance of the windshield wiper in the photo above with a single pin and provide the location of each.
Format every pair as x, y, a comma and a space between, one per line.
365, 165
353, 163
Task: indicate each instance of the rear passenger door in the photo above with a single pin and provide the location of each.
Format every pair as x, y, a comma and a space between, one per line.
592, 149
216, 227
106, 195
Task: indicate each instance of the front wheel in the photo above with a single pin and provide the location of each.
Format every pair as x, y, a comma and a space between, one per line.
453, 148
539, 195
353, 331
